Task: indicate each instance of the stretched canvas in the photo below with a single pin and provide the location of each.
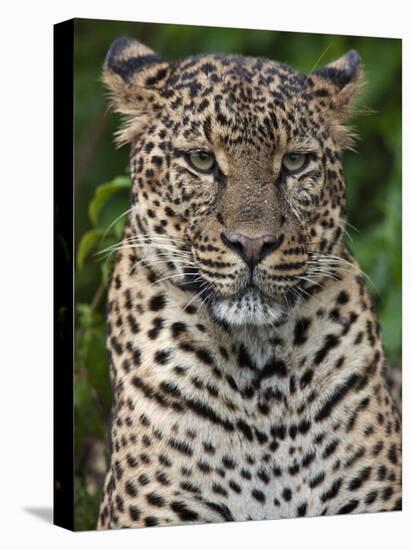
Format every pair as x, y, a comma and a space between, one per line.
227, 274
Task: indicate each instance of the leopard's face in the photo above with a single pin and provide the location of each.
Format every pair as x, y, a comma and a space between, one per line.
237, 180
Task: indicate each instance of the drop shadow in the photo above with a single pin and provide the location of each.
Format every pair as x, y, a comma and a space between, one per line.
42, 512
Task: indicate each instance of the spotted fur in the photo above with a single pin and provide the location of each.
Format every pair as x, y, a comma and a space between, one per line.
248, 382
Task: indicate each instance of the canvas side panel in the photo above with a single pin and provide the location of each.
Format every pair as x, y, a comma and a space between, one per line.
63, 275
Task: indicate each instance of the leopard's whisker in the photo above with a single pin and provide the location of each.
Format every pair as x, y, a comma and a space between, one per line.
194, 297
316, 270
149, 263
352, 226
151, 236
137, 246
308, 280
129, 210
173, 277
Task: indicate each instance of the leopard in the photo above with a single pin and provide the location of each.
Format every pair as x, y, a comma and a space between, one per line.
245, 354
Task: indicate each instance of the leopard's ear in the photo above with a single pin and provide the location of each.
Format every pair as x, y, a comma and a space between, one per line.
338, 84
135, 76
343, 71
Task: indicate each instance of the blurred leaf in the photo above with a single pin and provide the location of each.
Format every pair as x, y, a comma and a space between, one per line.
91, 357
391, 321
96, 360
103, 193
106, 269
87, 244
88, 419
86, 506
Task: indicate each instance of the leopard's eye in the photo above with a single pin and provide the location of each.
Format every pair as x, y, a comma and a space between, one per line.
293, 162
202, 161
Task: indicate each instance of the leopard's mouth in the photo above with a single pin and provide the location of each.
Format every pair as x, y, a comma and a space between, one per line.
250, 306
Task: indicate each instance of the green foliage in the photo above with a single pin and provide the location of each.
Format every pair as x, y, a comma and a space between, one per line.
373, 175
92, 392
86, 505
93, 239
104, 193
92, 387
87, 244
91, 402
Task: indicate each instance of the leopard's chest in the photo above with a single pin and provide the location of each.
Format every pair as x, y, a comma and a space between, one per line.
259, 450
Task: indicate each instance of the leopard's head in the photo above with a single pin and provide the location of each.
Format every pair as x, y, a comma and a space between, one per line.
238, 190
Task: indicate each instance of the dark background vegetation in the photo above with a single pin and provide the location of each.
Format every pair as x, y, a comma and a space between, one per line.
102, 186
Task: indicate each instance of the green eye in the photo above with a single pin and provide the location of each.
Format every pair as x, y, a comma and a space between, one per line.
293, 162
203, 161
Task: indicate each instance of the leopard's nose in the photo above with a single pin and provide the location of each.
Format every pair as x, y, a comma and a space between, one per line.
251, 250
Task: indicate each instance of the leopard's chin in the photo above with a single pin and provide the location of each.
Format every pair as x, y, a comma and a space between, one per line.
248, 307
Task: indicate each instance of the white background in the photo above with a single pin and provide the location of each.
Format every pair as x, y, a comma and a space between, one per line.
26, 270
